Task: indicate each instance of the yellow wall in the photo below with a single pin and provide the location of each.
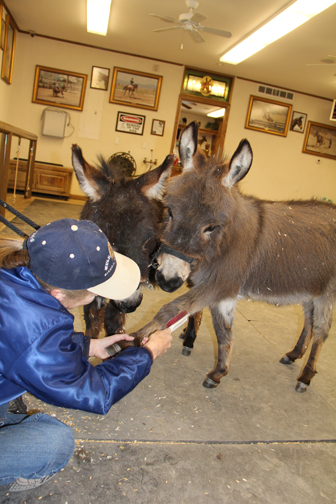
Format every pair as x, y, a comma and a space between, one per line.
280, 170
28, 116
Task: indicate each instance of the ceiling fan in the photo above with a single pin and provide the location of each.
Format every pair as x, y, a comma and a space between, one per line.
188, 105
190, 22
329, 61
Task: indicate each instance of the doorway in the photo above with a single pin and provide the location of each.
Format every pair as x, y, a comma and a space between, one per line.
211, 134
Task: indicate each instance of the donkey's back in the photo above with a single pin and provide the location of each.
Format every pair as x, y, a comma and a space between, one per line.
295, 254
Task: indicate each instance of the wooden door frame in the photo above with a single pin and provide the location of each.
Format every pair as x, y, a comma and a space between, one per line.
206, 101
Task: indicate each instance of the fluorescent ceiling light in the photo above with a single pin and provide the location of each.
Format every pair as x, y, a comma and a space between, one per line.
295, 15
217, 113
98, 15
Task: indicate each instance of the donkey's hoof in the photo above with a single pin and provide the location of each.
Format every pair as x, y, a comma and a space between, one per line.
182, 335
286, 360
186, 351
208, 383
301, 387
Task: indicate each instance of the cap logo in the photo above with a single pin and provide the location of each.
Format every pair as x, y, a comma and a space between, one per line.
110, 260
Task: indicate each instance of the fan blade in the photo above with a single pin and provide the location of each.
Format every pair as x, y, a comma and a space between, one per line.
214, 31
196, 36
198, 18
186, 106
166, 29
164, 18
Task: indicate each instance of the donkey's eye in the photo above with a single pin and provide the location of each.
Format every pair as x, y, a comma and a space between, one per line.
170, 213
209, 229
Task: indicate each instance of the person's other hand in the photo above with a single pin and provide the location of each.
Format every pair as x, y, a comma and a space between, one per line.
97, 346
159, 342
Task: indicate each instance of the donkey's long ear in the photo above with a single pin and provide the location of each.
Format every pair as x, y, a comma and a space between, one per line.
92, 182
239, 165
152, 182
188, 146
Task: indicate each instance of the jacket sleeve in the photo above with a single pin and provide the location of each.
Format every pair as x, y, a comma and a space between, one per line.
54, 370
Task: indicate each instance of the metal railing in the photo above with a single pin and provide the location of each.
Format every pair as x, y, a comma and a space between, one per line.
7, 131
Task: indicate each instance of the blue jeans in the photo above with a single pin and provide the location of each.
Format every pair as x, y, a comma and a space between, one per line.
32, 446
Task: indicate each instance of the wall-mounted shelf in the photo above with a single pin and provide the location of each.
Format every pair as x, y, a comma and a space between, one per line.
204, 131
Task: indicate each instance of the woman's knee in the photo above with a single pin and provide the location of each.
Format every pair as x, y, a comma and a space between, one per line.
58, 437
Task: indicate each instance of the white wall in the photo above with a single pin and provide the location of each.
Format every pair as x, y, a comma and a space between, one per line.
280, 170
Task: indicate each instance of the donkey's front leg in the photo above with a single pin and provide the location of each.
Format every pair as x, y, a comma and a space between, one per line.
222, 319
190, 333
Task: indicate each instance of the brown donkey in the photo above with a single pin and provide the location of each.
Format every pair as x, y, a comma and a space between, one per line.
242, 247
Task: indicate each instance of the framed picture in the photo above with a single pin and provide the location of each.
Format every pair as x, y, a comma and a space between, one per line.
298, 122
333, 112
2, 26
136, 89
99, 78
268, 116
158, 127
59, 88
9, 47
320, 140
130, 123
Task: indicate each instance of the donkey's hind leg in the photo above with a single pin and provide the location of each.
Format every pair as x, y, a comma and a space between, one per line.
323, 310
190, 333
222, 319
305, 337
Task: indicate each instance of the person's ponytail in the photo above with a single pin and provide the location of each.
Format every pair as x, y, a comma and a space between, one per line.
13, 253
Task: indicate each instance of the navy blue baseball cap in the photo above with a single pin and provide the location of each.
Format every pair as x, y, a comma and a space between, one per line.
76, 255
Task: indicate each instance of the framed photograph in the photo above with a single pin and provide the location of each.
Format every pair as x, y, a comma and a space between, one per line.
268, 116
158, 127
320, 140
99, 78
333, 112
59, 88
130, 123
135, 89
9, 47
298, 122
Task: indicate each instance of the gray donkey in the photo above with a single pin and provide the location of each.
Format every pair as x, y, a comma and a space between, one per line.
242, 247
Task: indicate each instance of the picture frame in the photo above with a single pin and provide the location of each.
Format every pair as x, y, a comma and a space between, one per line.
59, 88
320, 140
333, 112
100, 78
135, 89
158, 127
130, 123
2, 26
298, 122
268, 116
8, 51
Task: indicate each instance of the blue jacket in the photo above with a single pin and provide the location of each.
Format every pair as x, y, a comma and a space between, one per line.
40, 352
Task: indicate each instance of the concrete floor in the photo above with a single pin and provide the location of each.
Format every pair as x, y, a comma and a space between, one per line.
251, 440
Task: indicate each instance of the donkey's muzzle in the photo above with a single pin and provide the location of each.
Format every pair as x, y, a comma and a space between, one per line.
170, 285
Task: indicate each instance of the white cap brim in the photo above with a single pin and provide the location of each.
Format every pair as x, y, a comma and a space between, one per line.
124, 281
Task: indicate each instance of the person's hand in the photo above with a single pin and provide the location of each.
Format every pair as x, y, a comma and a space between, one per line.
159, 342
97, 346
